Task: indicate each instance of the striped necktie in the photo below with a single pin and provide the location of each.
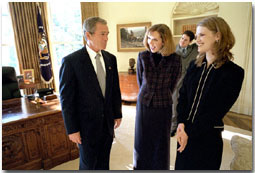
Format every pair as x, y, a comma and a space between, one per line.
100, 74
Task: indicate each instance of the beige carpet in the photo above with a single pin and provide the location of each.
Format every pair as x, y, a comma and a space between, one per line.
122, 148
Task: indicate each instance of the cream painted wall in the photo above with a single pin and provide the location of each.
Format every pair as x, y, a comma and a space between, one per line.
237, 15
132, 12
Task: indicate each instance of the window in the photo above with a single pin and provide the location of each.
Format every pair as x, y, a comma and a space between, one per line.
66, 32
9, 54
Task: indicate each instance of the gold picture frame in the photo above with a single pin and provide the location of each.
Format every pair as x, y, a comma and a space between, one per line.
28, 76
130, 36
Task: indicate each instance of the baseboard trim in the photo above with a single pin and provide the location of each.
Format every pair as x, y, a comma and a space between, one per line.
241, 121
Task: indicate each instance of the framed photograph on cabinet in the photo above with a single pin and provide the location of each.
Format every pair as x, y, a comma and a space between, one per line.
20, 78
28, 75
130, 36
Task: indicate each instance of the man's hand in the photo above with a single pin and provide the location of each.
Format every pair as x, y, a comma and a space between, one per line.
75, 137
117, 123
182, 137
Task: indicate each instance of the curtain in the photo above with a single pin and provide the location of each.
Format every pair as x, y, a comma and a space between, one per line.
244, 105
88, 9
24, 21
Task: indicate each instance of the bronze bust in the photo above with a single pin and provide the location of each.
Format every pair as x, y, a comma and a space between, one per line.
131, 69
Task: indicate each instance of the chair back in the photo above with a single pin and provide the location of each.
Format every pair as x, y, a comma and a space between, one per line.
10, 87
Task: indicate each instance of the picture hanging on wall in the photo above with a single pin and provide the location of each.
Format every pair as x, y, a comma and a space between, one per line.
130, 36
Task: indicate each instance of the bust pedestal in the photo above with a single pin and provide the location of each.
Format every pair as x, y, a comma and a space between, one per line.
131, 71
128, 86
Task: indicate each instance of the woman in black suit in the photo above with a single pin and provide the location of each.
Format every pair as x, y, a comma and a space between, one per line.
158, 69
210, 88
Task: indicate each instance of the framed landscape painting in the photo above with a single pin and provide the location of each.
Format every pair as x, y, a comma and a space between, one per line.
130, 36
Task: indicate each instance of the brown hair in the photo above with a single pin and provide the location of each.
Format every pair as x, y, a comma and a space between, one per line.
225, 43
166, 36
190, 34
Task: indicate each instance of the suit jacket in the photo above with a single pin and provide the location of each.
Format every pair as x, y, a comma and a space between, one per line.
84, 108
157, 83
191, 54
221, 88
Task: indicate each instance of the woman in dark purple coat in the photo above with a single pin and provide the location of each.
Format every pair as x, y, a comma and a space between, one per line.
158, 69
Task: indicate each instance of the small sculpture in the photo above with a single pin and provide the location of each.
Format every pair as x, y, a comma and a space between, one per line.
131, 69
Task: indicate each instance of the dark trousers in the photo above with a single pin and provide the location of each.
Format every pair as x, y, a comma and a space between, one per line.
203, 153
96, 156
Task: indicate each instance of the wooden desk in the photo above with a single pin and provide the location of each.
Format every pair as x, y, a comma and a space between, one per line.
128, 86
34, 137
27, 88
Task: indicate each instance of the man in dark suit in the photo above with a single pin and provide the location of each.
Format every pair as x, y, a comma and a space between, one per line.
90, 96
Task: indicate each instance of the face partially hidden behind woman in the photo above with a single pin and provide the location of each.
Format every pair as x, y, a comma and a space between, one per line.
184, 41
155, 42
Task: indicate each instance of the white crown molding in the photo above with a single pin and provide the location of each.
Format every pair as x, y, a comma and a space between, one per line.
194, 8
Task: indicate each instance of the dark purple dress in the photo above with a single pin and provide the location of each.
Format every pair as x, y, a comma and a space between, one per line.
157, 77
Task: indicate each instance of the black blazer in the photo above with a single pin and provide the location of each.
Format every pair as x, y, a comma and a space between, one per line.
83, 105
219, 93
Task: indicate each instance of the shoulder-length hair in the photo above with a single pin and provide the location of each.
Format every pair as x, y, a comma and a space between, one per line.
166, 36
225, 43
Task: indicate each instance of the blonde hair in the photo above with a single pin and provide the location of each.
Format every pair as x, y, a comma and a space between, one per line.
166, 36
225, 43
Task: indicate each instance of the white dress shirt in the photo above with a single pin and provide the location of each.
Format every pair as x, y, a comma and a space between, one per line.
92, 55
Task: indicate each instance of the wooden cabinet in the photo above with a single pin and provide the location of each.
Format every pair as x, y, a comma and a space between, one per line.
128, 86
34, 137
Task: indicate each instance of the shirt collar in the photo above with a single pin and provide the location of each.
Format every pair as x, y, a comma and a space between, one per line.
91, 52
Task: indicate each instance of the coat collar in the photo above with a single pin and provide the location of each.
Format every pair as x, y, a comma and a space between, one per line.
162, 61
188, 50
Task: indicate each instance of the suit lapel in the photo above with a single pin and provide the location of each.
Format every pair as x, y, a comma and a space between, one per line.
108, 70
189, 49
161, 62
152, 60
